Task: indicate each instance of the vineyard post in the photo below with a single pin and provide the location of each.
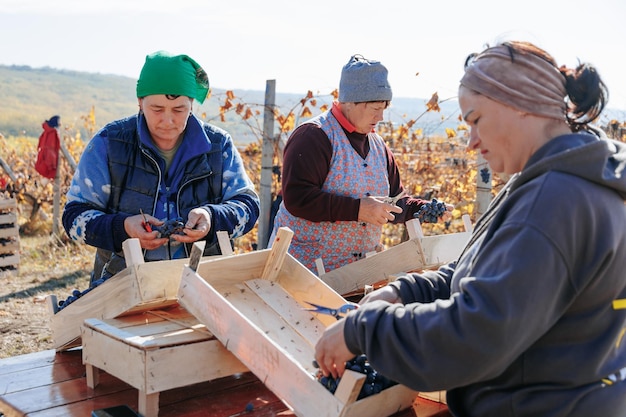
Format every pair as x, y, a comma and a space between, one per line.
56, 205
267, 163
68, 156
8, 170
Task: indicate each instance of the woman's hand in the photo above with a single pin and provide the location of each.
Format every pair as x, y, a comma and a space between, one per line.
197, 227
376, 211
387, 293
331, 351
141, 226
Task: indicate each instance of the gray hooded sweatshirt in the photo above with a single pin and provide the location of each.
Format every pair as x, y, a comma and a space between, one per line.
527, 322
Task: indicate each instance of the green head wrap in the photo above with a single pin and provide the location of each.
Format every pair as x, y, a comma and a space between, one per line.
179, 75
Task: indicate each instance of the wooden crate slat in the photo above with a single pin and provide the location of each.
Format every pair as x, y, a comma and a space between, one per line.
145, 317
164, 328
11, 260
150, 336
308, 326
441, 249
8, 204
234, 269
191, 363
8, 218
277, 253
348, 392
9, 246
9, 232
378, 405
403, 257
412, 255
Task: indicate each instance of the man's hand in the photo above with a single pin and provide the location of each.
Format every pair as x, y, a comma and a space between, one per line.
198, 226
375, 211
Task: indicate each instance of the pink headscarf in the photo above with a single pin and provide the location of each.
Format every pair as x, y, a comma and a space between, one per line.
525, 81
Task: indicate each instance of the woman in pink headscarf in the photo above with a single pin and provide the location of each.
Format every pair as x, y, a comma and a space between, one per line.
531, 319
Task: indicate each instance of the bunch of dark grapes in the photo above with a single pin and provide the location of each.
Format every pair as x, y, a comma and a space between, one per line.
76, 294
484, 175
374, 382
431, 212
170, 227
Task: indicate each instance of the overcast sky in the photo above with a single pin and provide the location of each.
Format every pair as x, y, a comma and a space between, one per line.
303, 45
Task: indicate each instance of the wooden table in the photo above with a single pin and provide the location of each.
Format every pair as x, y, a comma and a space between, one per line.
51, 384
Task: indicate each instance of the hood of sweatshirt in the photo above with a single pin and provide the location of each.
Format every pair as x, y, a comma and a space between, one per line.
596, 159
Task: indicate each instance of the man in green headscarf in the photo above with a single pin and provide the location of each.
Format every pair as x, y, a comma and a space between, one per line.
159, 168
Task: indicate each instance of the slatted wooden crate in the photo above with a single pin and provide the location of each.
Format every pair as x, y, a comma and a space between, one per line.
142, 286
9, 237
155, 351
418, 253
254, 304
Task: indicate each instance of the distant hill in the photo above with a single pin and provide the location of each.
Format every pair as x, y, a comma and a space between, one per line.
32, 95
28, 96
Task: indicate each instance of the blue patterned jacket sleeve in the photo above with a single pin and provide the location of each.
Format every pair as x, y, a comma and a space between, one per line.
84, 218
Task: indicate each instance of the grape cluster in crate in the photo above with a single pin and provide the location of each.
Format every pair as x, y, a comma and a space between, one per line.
374, 382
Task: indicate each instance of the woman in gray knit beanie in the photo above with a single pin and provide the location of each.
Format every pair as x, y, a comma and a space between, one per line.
338, 174
363, 80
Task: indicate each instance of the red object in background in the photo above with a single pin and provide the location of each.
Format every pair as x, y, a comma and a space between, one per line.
48, 152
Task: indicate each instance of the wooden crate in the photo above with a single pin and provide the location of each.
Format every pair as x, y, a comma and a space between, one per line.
254, 304
418, 253
155, 351
141, 286
9, 236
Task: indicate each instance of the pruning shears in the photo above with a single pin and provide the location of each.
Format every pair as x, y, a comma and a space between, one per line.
394, 200
145, 223
337, 313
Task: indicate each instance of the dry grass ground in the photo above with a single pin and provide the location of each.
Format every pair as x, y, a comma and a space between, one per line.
47, 266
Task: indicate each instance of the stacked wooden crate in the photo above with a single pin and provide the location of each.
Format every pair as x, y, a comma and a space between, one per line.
155, 351
9, 236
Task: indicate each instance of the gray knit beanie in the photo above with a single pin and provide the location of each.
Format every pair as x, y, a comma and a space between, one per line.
363, 80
